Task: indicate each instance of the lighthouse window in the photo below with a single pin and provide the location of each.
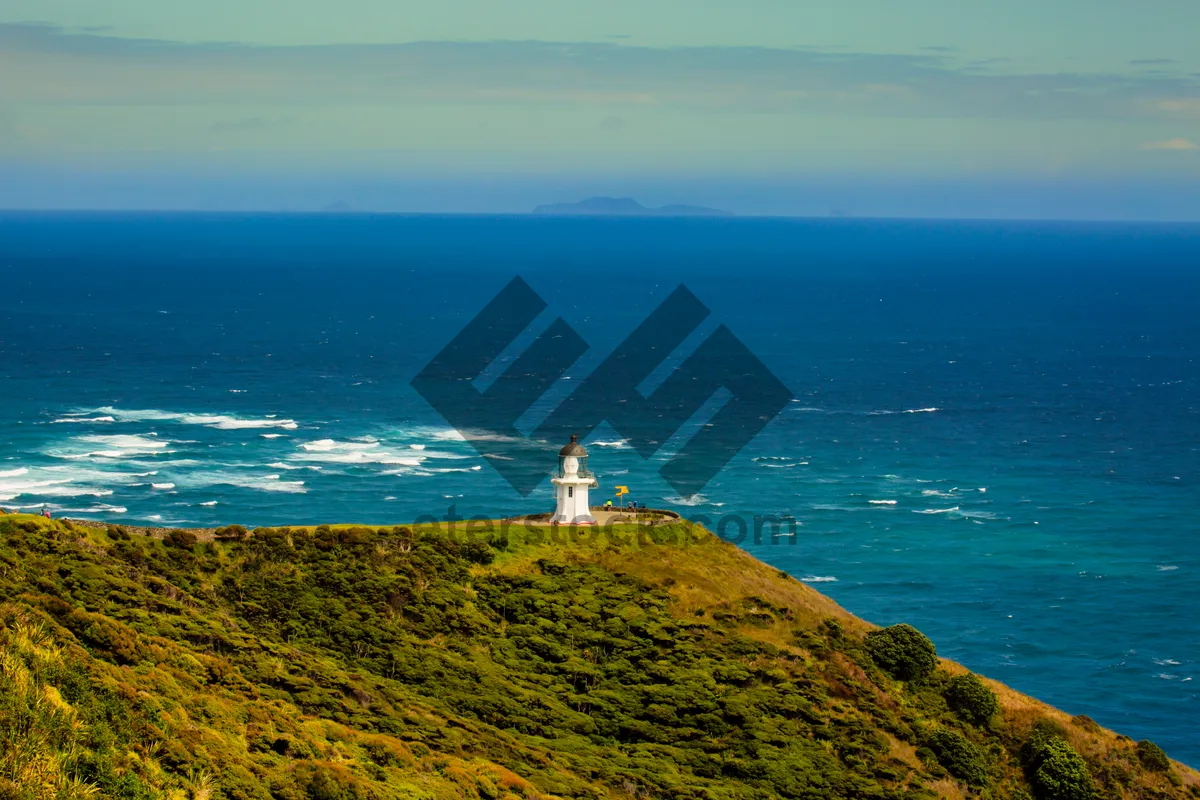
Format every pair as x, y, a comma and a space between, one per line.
570, 491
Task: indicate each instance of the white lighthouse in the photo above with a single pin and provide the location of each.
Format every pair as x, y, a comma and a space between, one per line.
571, 483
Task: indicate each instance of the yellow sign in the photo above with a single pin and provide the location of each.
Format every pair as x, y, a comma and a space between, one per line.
622, 490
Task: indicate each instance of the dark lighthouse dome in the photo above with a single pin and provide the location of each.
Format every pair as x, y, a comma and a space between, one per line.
573, 448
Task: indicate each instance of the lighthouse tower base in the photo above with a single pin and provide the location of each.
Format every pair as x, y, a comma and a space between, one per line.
571, 483
572, 506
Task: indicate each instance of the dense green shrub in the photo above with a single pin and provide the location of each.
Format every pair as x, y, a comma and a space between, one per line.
1152, 756
971, 699
184, 540
960, 758
1054, 769
350, 663
903, 652
232, 532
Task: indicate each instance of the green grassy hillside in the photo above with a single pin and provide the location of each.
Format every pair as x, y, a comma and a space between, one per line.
354, 662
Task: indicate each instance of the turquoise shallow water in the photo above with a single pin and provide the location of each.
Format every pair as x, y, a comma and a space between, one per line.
994, 433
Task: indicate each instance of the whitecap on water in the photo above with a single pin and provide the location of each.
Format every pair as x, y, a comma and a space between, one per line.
262, 483
819, 579
224, 422
362, 452
693, 500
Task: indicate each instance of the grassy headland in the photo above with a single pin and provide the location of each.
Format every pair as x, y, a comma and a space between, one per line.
518, 662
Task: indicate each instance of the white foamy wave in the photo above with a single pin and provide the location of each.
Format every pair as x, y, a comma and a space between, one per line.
261, 483
223, 422
92, 454
330, 445
209, 503
778, 462
819, 579
446, 470
271, 435
469, 435
886, 412
162, 486
417, 446
618, 443
693, 500
99, 508
12, 473
1166, 662
1166, 568
882, 502
358, 453
20, 483
936, 510
128, 443
66, 420
444, 454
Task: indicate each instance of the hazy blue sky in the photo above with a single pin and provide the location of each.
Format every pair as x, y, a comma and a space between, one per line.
768, 106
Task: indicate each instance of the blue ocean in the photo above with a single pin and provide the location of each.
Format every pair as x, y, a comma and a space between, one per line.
994, 436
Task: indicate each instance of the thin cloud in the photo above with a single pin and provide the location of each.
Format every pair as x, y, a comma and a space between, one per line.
1170, 144
1177, 105
248, 124
57, 66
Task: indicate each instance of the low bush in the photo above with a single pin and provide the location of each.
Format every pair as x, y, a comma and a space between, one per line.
1054, 769
959, 757
184, 540
903, 652
1152, 756
971, 699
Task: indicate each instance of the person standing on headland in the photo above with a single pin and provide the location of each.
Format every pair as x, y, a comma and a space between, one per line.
46, 512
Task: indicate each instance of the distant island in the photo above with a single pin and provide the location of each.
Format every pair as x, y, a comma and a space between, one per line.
627, 207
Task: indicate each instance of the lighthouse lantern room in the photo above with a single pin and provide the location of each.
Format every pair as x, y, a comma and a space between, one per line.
571, 482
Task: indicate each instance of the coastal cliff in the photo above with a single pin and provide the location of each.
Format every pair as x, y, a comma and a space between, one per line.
493, 661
